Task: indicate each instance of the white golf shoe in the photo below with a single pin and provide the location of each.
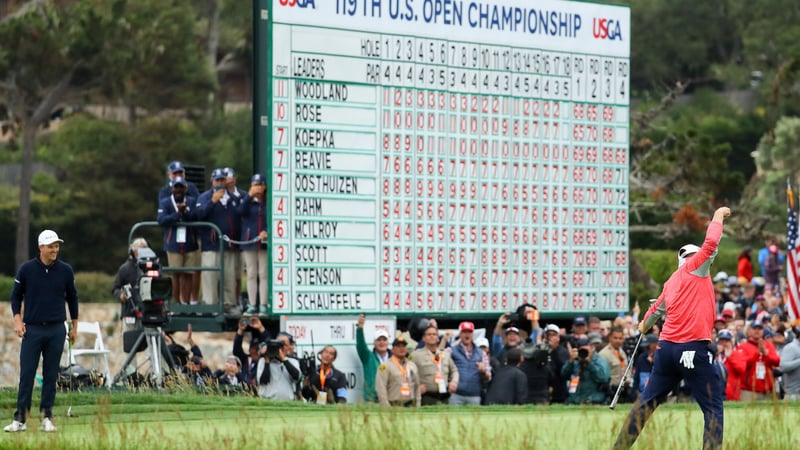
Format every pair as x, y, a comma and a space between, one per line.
15, 426
47, 426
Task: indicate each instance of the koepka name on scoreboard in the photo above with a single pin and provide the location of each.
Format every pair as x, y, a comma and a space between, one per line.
304, 137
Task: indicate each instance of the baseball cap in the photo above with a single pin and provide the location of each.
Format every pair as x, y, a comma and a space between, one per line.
512, 330
233, 359
381, 333
725, 334
687, 251
257, 178
580, 320
229, 172
732, 281
651, 338
721, 276
47, 237
582, 342
467, 326
176, 166
482, 342
399, 340
720, 319
218, 173
728, 313
179, 180
552, 328
595, 338
756, 323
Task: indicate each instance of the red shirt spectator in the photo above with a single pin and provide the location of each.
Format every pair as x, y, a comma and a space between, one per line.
744, 268
754, 360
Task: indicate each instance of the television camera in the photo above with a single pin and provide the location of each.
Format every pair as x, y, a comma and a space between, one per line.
150, 293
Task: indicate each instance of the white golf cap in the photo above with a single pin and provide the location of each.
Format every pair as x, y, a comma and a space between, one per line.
482, 342
47, 237
552, 328
381, 333
686, 251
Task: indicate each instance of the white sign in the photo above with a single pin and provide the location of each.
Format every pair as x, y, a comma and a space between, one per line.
311, 334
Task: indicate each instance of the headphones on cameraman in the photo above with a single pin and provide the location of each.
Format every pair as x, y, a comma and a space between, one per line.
139, 242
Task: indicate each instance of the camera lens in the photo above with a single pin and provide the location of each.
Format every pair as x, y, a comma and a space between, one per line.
583, 353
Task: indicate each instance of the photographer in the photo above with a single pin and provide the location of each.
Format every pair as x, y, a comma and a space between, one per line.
329, 385
588, 374
524, 323
537, 372
509, 385
557, 355
249, 360
127, 277
275, 374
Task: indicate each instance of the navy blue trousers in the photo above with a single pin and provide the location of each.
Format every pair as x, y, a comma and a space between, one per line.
694, 363
45, 341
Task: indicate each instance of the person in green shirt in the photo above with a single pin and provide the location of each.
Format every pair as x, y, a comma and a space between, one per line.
370, 360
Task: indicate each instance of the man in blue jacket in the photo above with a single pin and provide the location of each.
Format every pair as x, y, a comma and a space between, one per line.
176, 169
42, 285
180, 241
216, 205
473, 367
253, 210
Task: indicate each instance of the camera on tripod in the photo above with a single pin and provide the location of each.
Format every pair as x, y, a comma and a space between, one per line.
150, 293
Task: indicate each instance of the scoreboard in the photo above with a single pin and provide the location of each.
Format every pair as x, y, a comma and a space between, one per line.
446, 157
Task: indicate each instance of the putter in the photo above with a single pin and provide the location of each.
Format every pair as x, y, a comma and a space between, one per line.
627, 372
628, 368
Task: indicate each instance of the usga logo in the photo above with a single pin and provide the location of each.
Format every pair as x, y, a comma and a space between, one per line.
606, 29
298, 3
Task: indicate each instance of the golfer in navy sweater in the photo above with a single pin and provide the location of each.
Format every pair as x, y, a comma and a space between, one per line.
42, 285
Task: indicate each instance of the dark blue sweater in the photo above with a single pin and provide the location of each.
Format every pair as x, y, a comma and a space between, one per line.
44, 289
254, 221
227, 217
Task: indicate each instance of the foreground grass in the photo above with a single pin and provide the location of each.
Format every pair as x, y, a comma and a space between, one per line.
186, 420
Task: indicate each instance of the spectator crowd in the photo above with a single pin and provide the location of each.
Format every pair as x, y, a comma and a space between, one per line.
518, 362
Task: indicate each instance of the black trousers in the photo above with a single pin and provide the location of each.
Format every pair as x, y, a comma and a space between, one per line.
46, 341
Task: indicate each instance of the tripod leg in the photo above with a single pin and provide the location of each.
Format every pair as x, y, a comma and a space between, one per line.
154, 353
131, 355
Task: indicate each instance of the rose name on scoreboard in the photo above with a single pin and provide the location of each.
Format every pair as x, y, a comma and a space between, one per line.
462, 166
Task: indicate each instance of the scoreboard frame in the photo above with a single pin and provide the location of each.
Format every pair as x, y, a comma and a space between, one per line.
469, 199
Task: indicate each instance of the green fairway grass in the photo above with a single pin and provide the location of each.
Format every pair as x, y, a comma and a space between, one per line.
182, 420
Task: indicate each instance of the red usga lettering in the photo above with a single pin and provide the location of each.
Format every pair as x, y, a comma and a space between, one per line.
298, 3
606, 29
